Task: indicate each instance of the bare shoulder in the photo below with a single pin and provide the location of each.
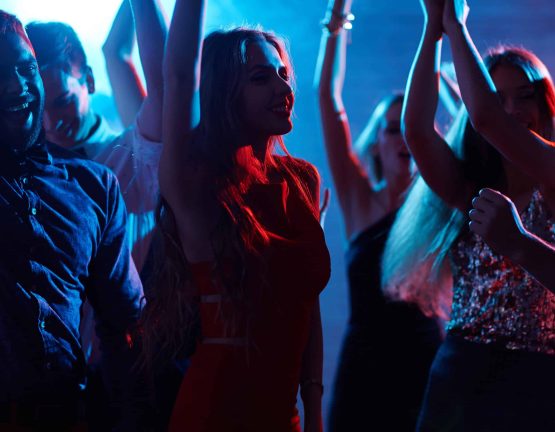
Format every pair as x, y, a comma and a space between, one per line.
306, 172
304, 169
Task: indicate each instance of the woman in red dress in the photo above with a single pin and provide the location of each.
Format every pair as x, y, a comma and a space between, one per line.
244, 252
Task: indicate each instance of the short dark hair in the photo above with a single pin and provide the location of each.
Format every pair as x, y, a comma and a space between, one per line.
10, 24
57, 44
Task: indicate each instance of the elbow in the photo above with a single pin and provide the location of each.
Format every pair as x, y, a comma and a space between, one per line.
108, 50
114, 53
483, 118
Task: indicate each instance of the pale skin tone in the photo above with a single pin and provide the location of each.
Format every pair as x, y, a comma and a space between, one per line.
68, 117
495, 218
444, 172
362, 204
183, 181
502, 109
127, 88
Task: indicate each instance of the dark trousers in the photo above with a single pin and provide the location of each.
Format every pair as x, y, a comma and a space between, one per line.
488, 388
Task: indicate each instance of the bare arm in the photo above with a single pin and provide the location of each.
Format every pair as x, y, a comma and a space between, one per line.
127, 88
437, 163
495, 218
524, 148
181, 95
151, 38
351, 182
311, 374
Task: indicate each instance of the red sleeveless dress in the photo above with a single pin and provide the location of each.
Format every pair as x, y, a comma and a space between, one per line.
234, 387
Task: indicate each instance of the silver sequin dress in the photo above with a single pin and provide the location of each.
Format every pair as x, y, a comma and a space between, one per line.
496, 301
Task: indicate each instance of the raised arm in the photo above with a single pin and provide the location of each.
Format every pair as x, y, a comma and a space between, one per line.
181, 94
524, 148
151, 38
437, 163
127, 88
351, 182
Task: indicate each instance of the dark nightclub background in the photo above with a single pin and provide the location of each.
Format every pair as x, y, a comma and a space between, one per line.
383, 42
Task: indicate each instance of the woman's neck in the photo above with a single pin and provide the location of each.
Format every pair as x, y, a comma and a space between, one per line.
518, 183
395, 189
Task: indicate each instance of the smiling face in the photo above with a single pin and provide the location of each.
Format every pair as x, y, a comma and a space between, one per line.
267, 98
68, 118
21, 93
517, 95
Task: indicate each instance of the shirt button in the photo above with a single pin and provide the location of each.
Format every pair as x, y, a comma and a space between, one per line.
33, 211
42, 324
25, 180
48, 365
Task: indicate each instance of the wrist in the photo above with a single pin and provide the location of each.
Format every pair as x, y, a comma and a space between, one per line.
335, 21
454, 27
433, 28
521, 244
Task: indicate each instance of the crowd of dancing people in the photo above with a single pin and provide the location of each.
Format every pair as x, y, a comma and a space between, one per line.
168, 277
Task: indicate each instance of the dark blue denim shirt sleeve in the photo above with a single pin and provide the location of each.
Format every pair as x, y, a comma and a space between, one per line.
115, 291
62, 238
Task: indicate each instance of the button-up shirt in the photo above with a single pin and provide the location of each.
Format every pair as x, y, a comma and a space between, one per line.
63, 239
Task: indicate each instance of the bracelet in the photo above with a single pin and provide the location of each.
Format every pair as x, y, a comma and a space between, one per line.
312, 382
345, 21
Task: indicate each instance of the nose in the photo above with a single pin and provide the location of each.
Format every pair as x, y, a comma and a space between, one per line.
284, 88
510, 106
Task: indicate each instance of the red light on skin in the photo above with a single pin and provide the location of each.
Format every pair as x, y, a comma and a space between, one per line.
129, 340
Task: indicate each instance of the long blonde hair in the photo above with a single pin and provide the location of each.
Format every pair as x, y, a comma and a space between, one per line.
414, 268
368, 139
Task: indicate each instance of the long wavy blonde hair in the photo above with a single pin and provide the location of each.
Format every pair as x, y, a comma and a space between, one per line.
414, 265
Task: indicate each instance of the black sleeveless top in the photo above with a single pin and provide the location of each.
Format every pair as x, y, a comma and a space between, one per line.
369, 306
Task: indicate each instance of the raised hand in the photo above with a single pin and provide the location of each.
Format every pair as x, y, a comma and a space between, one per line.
495, 219
455, 13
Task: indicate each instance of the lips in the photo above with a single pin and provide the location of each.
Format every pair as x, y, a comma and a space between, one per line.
16, 108
19, 113
282, 109
19, 104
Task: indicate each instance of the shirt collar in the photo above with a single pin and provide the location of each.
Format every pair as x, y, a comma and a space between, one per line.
37, 154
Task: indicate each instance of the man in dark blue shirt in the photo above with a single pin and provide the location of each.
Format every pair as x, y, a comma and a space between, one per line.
62, 239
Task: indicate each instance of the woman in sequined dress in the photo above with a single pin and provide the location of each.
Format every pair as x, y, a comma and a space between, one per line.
494, 372
388, 346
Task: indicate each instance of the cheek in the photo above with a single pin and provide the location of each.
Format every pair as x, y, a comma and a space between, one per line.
82, 104
48, 119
